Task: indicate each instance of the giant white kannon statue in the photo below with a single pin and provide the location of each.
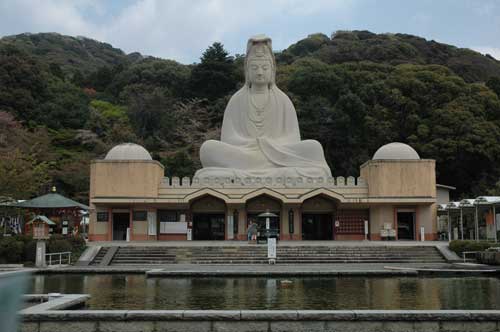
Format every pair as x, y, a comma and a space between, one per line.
260, 131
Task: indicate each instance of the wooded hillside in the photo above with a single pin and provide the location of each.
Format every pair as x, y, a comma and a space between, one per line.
65, 101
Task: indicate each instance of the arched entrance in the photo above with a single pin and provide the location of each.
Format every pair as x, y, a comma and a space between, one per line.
208, 218
317, 218
261, 204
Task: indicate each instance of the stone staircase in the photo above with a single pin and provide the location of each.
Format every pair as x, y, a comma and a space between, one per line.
143, 256
100, 255
140, 256
375, 254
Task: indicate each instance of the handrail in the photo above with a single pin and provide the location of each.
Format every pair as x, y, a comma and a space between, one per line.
68, 260
468, 252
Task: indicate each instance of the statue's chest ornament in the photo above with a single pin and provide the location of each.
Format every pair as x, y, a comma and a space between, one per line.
258, 110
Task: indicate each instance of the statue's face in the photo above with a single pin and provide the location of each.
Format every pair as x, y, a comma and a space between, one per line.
260, 71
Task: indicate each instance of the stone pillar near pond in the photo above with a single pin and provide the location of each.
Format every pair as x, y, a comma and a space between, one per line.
40, 253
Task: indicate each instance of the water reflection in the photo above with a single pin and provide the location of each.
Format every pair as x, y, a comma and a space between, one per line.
138, 292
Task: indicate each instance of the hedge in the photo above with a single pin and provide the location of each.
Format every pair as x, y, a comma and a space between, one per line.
22, 249
459, 246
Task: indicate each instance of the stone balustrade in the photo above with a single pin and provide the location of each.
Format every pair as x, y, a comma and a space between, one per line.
258, 182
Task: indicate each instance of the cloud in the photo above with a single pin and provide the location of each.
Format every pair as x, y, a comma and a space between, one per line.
172, 29
34, 16
493, 51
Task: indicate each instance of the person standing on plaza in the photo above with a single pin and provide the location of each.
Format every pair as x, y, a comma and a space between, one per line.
252, 230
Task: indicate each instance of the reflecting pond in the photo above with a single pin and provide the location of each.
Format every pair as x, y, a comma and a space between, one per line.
138, 292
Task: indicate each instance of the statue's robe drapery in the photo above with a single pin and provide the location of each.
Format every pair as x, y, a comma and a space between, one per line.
265, 144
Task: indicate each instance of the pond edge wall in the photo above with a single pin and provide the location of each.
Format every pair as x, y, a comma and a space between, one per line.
259, 320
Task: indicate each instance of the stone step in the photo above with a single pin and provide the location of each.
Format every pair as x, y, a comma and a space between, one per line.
143, 262
320, 254
258, 255
146, 255
146, 262
319, 258
144, 258
312, 262
100, 255
360, 255
356, 251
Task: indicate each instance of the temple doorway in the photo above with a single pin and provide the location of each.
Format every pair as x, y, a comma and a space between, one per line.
262, 204
317, 227
208, 226
121, 222
317, 218
406, 225
209, 215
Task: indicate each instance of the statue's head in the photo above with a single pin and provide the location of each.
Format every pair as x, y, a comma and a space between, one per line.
260, 65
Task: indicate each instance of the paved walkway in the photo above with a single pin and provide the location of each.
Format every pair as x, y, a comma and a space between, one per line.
280, 243
281, 270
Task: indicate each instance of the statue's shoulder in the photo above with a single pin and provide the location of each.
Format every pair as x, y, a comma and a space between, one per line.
241, 93
282, 96
237, 98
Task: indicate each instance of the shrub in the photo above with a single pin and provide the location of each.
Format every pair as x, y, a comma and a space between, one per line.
11, 250
30, 251
459, 246
58, 244
22, 248
77, 242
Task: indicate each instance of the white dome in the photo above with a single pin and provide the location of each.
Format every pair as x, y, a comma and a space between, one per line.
398, 151
128, 151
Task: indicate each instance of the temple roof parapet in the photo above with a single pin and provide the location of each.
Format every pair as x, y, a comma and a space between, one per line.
258, 182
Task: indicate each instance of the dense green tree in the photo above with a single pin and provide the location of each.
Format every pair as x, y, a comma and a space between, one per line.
65, 106
110, 122
56, 70
150, 111
155, 73
78, 79
179, 164
494, 84
35, 95
215, 76
22, 84
24, 168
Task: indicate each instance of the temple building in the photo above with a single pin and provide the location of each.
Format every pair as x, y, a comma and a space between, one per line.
262, 167
130, 199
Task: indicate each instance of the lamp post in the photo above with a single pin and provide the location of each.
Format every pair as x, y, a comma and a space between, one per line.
41, 234
271, 242
267, 215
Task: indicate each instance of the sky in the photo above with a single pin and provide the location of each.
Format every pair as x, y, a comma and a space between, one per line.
183, 29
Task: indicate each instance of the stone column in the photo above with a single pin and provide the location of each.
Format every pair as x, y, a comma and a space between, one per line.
242, 223
227, 229
297, 223
242, 228
92, 222
131, 224
157, 226
110, 224
284, 231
